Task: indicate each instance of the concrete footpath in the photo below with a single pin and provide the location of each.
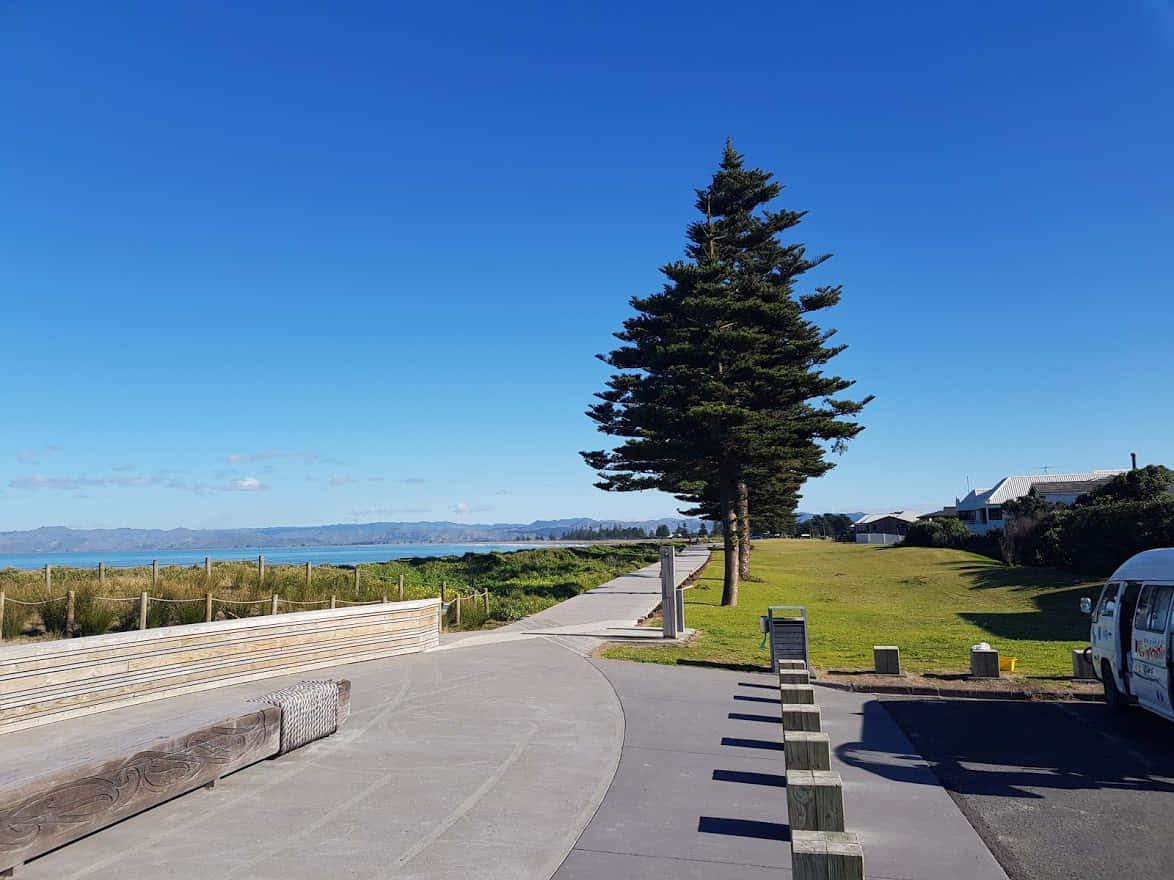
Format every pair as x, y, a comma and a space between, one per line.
700, 791
496, 756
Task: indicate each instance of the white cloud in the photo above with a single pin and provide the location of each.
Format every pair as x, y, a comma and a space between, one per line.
462, 508
247, 484
241, 458
341, 479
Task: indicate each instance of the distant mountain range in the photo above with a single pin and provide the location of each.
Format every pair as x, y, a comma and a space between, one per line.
59, 539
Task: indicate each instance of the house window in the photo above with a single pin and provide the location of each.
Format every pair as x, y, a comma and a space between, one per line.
995, 514
966, 515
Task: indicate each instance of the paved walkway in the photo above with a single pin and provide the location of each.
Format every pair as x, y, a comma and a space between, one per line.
491, 758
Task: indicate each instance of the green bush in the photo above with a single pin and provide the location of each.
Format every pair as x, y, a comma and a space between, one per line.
938, 532
93, 616
1095, 539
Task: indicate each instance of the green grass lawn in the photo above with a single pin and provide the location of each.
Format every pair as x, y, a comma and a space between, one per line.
933, 604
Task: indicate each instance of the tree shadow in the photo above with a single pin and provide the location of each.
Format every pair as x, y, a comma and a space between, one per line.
1058, 619
1015, 749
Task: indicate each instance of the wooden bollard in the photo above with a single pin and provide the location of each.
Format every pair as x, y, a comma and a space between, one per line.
144, 601
984, 663
797, 693
826, 855
207, 608
800, 717
401, 588
804, 750
815, 800
70, 612
794, 676
886, 659
791, 664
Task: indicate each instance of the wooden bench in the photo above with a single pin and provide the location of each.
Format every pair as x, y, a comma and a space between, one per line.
58, 797
50, 681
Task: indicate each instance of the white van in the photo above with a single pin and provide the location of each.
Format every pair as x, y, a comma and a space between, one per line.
1132, 631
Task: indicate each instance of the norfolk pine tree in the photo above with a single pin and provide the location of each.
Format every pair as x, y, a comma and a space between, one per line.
721, 375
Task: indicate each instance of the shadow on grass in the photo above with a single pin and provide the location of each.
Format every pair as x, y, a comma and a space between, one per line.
1058, 619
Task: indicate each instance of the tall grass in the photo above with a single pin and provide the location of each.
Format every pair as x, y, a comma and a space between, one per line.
520, 583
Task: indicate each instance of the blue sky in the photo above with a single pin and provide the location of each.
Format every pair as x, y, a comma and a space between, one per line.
302, 263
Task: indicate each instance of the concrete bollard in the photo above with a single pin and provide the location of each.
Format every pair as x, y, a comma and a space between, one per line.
1082, 667
826, 855
984, 663
815, 800
886, 659
804, 750
794, 676
797, 694
800, 717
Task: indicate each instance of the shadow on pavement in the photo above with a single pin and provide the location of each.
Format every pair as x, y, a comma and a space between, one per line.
757, 699
738, 742
1013, 749
748, 778
742, 716
743, 828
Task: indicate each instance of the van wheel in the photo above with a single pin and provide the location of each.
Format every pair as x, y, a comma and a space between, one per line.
1112, 695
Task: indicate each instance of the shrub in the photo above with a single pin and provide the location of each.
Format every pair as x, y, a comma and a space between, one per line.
938, 532
92, 616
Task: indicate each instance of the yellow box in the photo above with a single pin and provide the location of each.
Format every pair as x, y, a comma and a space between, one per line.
1007, 664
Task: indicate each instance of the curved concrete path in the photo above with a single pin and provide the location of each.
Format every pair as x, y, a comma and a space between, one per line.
484, 762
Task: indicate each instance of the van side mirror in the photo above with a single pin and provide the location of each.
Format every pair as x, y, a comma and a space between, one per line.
1086, 605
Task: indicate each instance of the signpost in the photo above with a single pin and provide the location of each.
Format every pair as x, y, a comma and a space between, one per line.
670, 601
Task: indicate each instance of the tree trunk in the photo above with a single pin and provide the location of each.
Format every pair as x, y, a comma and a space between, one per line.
729, 541
743, 513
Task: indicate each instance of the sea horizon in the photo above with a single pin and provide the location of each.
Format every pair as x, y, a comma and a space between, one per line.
337, 554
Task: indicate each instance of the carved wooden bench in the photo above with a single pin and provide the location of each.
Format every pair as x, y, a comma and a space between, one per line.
50, 681
54, 800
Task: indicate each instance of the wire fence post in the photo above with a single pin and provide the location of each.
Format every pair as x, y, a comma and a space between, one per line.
207, 568
154, 575
1, 615
309, 572
144, 599
334, 601
260, 570
443, 592
49, 579
70, 612
101, 574
356, 581
273, 605
486, 595
207, 608
401, 588
384, 600
458, 611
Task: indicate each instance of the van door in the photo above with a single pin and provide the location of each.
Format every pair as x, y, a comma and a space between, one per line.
1125, 616
1103, 633
1151, 674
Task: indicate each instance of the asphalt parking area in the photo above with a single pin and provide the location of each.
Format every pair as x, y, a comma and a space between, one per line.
1057, 790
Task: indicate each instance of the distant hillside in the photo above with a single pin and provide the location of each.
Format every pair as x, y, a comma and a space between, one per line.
59, 539
803, 517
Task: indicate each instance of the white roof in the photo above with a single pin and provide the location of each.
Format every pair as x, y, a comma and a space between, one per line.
1010, 488
1149, 565
906, 515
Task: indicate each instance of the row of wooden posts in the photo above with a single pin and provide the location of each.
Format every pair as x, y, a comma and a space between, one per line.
207, 573
145, 598
821, 848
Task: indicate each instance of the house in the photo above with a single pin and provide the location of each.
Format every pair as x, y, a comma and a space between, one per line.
883, 528
947, 512
982, 509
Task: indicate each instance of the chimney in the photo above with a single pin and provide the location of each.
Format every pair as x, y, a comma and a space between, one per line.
1133, 458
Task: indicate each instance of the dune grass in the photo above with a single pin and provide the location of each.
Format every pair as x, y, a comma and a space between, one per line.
933, 604
519, 583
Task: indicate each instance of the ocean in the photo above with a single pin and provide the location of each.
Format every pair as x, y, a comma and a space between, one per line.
344, 555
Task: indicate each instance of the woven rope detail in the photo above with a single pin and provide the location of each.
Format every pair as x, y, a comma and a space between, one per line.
309, 711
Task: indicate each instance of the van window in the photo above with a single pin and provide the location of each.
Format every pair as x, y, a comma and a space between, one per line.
1158, 610
1144, 601
1107, 607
